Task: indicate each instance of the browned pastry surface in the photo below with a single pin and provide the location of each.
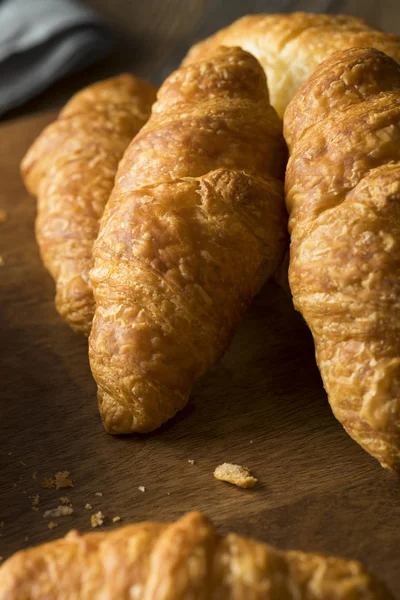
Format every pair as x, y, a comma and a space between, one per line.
235, 474
291, 46
71, 169
343, 195
195, 224
184, 560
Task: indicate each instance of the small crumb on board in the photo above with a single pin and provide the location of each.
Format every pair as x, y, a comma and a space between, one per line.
235, 474
52, 525
97, 519
141, 488
60, 511
88, 506
116, 519
60, 480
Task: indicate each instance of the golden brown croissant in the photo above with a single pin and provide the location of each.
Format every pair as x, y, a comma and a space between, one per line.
71, 169
291, 46
184, 560
343, 196
195, 224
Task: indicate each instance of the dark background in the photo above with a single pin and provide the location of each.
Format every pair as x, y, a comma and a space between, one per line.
152, 36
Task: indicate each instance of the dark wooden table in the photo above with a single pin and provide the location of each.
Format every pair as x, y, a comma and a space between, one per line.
263, 406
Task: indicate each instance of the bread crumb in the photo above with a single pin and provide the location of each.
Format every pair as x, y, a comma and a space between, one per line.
98, 494
34, 474
235, 474
141, 488
251, 441
26, 538
3, 216
60, 480
97, 519
35, 502
65, 500
88, 506
60, 511
22, 463
52, 525
1, 261
116, 519
191, 461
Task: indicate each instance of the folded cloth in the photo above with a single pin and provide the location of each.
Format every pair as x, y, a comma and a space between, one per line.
43, 40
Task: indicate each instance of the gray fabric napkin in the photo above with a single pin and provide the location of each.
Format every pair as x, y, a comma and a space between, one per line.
43, 40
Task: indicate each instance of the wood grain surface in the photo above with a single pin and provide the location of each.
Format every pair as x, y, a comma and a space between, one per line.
262, 406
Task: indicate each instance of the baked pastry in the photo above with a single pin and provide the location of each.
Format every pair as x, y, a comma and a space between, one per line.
71, 169
291, 46
235, 474
343, 197
195, 224
179, 561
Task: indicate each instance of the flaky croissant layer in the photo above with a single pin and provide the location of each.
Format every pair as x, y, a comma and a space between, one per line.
195, 224
71, 169
291, 46
343, 196
185, 560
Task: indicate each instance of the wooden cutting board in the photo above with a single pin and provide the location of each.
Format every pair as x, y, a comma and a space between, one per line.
262, 406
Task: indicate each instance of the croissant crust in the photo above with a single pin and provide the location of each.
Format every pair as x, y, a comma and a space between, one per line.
343, 196
195, 224
71, 169
180, 561
291, 46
